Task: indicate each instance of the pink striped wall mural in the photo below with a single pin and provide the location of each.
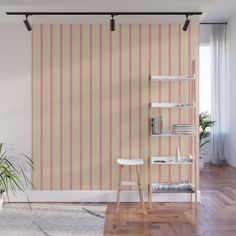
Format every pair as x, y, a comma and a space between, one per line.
90, 101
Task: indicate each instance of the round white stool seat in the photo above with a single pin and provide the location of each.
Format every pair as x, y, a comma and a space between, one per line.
130, 162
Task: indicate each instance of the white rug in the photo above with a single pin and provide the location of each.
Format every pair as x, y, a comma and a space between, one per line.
52, 219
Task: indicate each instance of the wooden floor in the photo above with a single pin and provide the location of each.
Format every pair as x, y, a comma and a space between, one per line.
214, 216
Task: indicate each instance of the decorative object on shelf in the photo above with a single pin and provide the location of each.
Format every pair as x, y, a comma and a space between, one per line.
178, 187
159, 161
205, 124
183, 129
177, 154
190, 158
157, 125
12, 173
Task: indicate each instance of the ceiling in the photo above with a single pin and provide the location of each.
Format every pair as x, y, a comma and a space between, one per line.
221, 11
213, 10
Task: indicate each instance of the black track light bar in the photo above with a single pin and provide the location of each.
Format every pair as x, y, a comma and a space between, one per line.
213, 23
106, 13
112, 14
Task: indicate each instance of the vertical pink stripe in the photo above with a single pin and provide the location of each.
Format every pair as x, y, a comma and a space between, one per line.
189, 92
81, 107
51, 107
41, 109
160, 94
120, 91
140, 91
61, 107
170, 96
100, 105
149, 47
130, 98
110, 107
71, 106
32, 103
179, 92
90, 106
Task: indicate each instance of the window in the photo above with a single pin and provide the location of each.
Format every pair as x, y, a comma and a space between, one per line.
205, 78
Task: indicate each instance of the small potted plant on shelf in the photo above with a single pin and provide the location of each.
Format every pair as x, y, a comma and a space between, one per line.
12, 174
205, 124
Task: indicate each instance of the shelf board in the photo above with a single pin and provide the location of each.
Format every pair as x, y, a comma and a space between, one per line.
171, 105
169, 161
170, 133
172, 163
172, 78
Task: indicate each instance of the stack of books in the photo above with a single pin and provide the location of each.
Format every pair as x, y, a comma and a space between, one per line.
183, 129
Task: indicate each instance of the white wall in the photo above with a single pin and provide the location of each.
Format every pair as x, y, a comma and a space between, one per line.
15, 88
231, 34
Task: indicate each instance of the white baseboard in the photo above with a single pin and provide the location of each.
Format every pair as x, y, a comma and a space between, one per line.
98, 196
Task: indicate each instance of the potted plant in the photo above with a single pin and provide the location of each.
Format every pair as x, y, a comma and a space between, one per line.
205, 124
12, 174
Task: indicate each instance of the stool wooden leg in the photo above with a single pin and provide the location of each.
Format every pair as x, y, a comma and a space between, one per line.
119, 189
138, 169
149, 196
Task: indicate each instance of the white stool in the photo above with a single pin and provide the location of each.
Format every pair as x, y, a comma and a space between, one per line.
129, 162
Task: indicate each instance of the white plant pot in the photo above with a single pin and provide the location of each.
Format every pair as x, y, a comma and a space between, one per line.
1, 201
201, 164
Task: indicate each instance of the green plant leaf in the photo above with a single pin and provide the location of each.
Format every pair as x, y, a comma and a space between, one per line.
12, 176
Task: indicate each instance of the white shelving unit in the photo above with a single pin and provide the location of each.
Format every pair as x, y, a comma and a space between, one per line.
152, 160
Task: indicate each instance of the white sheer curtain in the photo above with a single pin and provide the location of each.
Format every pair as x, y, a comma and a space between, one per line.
219, 96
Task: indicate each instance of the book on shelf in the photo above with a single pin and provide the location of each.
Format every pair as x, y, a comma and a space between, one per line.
157, 125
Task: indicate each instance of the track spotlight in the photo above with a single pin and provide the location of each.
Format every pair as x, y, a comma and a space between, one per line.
27, 24
112, 23
186, 24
